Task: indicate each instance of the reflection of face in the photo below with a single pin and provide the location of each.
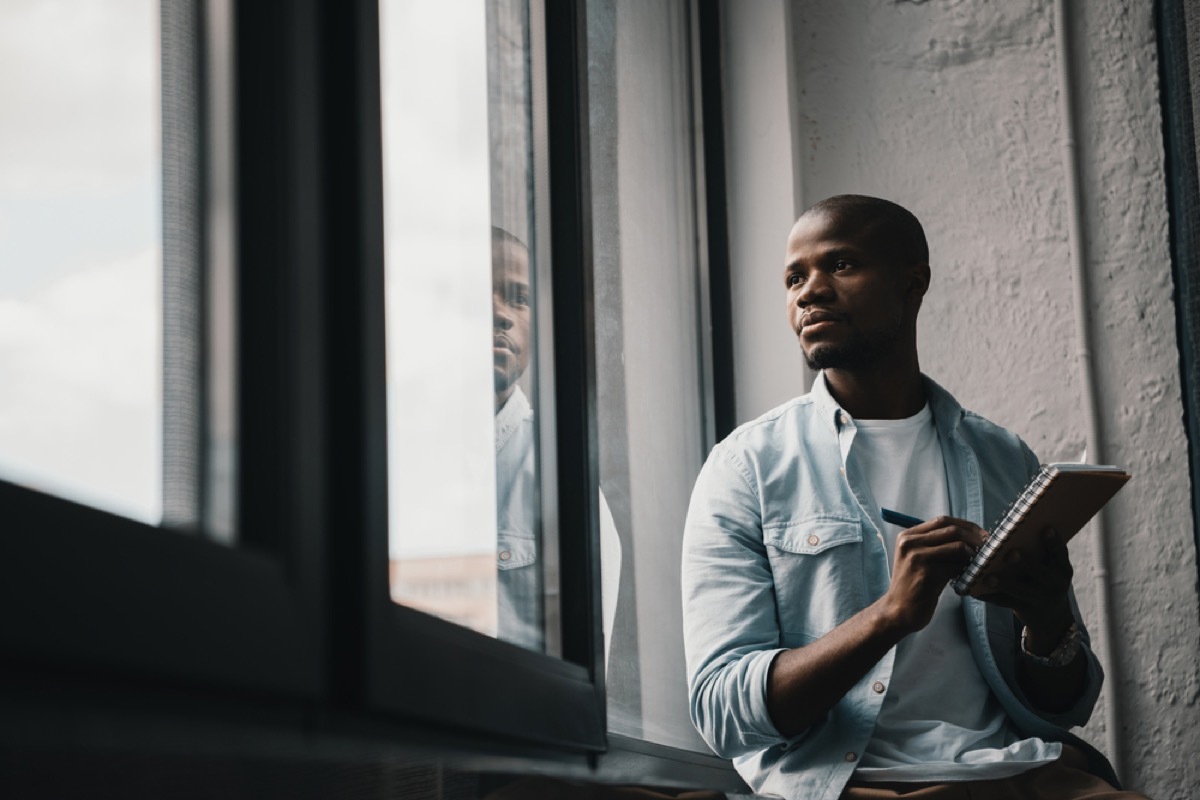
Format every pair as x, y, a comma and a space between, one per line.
848, 302
510, 316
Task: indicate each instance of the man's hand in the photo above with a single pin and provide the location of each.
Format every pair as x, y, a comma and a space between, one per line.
1036, 589
805, 682
927, 557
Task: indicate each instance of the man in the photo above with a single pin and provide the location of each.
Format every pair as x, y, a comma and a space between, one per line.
520, 609
826, 654
519, 577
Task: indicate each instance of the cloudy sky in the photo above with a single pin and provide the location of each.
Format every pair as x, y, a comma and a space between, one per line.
79, 251
438, 246
80, 256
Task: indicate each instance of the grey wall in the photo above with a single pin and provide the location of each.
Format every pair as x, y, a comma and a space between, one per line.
950, 109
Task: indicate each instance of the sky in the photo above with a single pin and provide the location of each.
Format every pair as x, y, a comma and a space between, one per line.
80, 251
438, 254
80, 262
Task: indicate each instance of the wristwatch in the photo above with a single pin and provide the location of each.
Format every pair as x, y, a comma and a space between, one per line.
1062, 654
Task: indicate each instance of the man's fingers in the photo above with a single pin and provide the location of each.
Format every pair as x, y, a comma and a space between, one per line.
1056, 549
952, 555
1019, 592
1050, 571
944, 529
997, 598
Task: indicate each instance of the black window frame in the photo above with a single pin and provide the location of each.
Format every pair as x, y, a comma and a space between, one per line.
1176, 76
416, 667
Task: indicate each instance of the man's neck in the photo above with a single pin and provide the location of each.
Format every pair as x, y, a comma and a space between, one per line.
502, 397
894, 391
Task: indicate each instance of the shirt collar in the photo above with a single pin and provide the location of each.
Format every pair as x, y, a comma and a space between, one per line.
945, 409
510, 416
828, 409
947, 413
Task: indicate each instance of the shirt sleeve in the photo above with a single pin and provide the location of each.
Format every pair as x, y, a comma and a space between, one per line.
731, 631
1081, 710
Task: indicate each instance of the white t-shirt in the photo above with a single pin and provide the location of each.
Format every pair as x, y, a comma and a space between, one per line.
939, 720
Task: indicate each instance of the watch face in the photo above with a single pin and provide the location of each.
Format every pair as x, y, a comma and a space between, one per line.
1063, 653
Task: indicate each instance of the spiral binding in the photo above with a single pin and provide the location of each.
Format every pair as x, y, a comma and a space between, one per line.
1008, 520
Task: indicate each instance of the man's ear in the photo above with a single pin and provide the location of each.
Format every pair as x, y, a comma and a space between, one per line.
918, 281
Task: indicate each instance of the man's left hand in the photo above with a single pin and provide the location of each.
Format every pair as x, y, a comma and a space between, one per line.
1036, 590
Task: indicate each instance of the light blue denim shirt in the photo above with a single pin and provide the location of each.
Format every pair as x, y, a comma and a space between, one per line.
782, 545
519, 575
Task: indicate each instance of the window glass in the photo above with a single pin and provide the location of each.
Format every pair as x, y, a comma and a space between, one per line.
81, 252
461, 266
648, 345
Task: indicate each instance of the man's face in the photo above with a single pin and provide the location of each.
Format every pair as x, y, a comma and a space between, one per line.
510, 315
849, 301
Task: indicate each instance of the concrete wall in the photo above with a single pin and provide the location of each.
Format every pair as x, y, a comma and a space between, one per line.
950, 108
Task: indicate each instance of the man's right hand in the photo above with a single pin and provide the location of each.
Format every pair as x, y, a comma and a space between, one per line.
927, 557
805, 682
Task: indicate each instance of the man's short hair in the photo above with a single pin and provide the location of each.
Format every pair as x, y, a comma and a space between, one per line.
900, 227
501, 236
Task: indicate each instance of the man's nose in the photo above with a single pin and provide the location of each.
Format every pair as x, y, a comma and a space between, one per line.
817, 288
501, 318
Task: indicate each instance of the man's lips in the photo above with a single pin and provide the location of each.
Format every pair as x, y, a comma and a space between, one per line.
815, 318
502, 342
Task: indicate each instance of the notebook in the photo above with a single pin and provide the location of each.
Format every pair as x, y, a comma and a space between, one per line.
1061, 496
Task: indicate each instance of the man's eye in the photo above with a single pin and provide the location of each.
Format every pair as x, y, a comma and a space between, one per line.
518, 299
794, 280
841, 264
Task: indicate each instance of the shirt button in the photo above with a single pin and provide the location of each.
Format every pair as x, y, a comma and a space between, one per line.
851, 757
813, 540
505, 555
878, 687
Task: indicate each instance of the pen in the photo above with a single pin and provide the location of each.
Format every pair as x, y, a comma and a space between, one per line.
896, 518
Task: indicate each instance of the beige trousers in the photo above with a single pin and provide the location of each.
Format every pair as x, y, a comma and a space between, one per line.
1064, 779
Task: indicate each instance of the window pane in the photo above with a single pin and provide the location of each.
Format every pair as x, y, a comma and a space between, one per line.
460, 266
81, 252
648, 345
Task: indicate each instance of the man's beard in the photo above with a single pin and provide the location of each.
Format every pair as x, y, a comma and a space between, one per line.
503, 378
861, 351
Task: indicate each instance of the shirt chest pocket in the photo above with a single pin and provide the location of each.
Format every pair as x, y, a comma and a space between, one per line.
819, 578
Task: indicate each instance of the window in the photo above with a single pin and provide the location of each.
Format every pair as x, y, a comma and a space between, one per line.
124, 594
479, 235
107, 303
623, 278
461, 250
349, 585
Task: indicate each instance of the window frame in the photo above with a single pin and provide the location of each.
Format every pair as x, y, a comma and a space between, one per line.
470, 686
1183, 199
417, 667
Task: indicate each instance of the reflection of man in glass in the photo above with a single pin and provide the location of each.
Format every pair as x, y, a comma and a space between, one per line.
519, 579
510, 314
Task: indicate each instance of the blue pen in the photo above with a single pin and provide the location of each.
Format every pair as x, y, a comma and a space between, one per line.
896, 518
